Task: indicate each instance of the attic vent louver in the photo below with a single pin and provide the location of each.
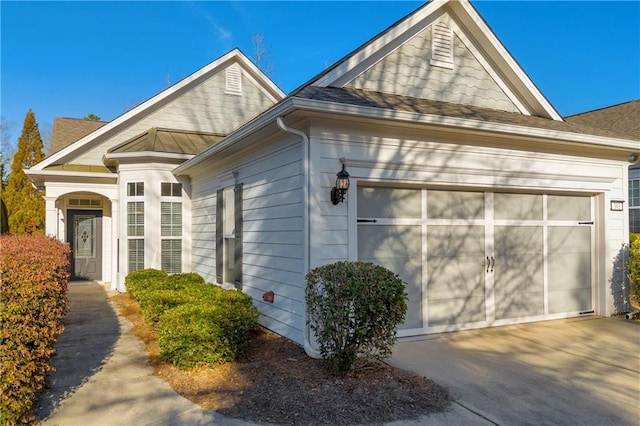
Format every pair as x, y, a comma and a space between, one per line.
442, 45
233, 80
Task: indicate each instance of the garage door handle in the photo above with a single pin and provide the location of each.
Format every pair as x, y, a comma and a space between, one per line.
493, 263
488, 263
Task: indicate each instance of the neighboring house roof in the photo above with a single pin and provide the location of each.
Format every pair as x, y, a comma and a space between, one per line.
387, 101
622, 118
69, 130
167, 140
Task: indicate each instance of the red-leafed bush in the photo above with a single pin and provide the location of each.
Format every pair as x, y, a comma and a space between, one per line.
33, 299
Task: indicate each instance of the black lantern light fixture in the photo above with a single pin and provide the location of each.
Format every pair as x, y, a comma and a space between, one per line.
342, 185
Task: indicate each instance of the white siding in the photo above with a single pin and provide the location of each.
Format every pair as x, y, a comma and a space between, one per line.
273, 232
408, 71
431, 161
205, 108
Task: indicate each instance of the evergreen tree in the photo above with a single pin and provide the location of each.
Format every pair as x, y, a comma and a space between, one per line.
25, 203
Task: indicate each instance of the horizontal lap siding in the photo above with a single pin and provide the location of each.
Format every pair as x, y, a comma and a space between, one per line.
273, 234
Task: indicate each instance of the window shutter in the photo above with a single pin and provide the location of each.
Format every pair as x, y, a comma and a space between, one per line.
238, 235
219, 235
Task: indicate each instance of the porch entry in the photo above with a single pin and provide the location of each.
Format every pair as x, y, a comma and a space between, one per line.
84, 234
477, 259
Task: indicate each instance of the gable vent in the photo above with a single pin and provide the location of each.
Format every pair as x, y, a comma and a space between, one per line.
233, 80
442, 45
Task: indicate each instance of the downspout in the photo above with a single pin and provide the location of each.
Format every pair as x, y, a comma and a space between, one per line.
308, 348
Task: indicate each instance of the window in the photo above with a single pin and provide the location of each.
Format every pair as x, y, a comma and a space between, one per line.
229, 236
135, 225
82, 202
634, 205
135, 189
171, 227
170, 189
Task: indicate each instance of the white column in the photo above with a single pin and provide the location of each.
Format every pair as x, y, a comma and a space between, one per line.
51, 218
115, 246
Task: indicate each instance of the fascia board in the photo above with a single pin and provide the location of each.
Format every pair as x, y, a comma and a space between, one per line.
501, 54
144, 157
452, 123
373, 47
39, 177
260, 79
463, 124
132, 114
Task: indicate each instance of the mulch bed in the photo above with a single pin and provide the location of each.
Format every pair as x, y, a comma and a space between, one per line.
275, 382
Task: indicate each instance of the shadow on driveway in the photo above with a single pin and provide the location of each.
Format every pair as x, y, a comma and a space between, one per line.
91, 332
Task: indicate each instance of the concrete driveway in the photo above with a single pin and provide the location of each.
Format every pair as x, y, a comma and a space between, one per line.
583, 371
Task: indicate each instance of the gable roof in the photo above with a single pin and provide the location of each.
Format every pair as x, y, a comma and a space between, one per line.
385, 101
622, 118
68, 130
494, 56
176, 90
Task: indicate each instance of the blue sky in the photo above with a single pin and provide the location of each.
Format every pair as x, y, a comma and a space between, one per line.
74, 58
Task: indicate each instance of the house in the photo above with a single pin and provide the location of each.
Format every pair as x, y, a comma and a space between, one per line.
462, 178
109, 187
622, 118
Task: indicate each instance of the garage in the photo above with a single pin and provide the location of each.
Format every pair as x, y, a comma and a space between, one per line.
474, 258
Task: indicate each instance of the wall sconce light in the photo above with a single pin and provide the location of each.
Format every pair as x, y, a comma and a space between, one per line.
342, 185
617, 205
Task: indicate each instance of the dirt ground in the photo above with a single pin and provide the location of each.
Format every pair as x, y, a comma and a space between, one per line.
275, 382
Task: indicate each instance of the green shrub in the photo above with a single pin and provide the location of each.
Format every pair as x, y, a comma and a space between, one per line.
354, 309
153, 303
197, 334
144, 279
186, 278
634, 267
33, 299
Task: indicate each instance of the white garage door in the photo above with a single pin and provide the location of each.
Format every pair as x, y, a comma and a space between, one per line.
475, 259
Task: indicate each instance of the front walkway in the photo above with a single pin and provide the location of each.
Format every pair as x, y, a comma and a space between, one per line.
102, 376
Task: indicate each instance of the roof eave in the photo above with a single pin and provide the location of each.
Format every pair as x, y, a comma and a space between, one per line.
115, 158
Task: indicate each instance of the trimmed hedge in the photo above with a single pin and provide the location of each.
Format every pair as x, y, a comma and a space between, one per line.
33, 300
197, 323
354, 309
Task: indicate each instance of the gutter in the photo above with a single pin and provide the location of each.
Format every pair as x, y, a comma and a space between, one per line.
308, 348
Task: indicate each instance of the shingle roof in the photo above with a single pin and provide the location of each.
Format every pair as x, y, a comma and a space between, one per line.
623, 118
68, 130
170, 141
367, 98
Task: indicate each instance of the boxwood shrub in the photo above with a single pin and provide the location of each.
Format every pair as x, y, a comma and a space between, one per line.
197, 323
197, 334
354, 309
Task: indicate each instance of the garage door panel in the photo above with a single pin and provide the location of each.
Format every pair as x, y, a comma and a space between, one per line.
517, 206
519, 304
564, 207
517, 240
571, 300
455, 241
519, 273
569, 239
413, 318
456, 311
455, 205
455, 277
389, 203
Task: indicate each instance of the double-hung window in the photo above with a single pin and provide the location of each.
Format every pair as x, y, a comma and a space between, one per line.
171, 227
634, 205
229, 236
135, 225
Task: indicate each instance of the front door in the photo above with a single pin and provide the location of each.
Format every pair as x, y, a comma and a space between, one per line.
84, 233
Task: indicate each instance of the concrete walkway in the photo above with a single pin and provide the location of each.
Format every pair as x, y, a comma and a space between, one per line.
102, 376
581, 371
